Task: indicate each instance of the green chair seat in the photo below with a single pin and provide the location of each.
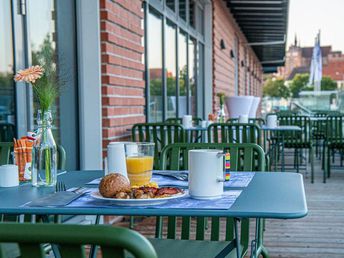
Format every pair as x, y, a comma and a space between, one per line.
71, 240
172, 248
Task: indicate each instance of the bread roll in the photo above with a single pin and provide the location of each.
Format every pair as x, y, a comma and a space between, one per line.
112, 184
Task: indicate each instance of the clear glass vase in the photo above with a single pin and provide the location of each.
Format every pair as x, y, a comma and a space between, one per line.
44, 153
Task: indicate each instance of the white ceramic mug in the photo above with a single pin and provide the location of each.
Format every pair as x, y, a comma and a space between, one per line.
243, 119
271, 121
187, 121
206, 174
204, 123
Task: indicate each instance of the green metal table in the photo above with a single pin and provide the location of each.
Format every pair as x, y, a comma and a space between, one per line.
269, 195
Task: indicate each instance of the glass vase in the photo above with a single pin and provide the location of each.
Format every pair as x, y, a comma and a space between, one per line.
44, 153
221, 114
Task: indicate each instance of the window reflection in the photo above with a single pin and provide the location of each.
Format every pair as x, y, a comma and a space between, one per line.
42, 29
182, 9
171, 69
182, 73
7, 97
192, 76
155, 67
170, 4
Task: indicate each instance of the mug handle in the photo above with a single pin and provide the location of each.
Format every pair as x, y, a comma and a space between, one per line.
226, 171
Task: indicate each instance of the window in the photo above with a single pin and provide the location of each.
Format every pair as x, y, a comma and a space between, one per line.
174, 58
7, 97
155, 67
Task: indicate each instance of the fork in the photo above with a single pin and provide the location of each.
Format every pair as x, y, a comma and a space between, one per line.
61, 187
178, 176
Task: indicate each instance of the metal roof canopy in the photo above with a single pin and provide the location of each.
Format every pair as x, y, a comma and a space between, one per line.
264, 23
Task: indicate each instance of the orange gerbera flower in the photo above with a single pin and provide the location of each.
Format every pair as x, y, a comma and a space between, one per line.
30, 74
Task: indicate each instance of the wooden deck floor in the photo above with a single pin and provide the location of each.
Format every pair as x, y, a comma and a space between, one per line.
320, 234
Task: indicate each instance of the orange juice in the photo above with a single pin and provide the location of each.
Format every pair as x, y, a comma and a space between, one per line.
139, 169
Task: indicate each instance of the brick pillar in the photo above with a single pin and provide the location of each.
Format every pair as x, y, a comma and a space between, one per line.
123, 85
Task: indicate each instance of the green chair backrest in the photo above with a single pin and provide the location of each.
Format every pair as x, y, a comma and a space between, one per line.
287, 113
258, 121
232, 120
244, 157
234, 133
71, 240
174, 120
296, 137
159, 133
61, 157
7, 132
334, 129
5, 152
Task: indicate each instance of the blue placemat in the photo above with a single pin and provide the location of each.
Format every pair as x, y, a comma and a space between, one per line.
224, 203
238, 179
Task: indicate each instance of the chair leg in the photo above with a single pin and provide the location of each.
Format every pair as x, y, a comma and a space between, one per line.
297, 160
311, 159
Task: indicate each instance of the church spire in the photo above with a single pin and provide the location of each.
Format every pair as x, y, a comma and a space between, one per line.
295, 41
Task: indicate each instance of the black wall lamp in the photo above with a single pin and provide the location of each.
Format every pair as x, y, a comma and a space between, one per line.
242, 63
222, 44
232, 54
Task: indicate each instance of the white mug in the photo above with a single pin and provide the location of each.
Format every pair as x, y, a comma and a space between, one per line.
243, 119
204, 123
271, 121
206, 174
187, 121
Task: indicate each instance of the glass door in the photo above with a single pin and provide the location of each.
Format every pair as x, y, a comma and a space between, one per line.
44, 33
7, 86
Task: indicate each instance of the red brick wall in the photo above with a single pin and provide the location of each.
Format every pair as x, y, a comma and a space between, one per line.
122, 67
225, 27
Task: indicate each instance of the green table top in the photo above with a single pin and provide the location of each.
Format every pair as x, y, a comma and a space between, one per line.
269, 195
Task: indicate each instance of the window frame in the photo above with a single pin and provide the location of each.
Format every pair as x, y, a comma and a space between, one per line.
170, 16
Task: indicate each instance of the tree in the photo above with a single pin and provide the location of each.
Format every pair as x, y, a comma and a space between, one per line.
328, 84
276, 88
298, 84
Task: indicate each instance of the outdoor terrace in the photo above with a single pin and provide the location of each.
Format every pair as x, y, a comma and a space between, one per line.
320, 234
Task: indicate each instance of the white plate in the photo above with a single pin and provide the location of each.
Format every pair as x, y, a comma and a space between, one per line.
137, 202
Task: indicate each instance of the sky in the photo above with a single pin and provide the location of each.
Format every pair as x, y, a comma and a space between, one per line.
306, 17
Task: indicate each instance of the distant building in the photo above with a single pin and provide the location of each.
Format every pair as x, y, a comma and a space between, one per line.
298, 60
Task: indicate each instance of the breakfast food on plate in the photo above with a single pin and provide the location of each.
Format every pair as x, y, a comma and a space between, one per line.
117, 186
114, 185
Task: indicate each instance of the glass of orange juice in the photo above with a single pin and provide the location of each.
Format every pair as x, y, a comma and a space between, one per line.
139, 159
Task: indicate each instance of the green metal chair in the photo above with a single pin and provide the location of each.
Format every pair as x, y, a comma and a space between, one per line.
175, 120
334, 140
71, 239
190, 136
232, 120
298, 140
5, 152
159, 133
244, 157
7, 132
234, 133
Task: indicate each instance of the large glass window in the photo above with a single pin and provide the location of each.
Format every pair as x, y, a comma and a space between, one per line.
182, 73
155, 66
7, 97
171, 74
42, 31
192, 76
173, 59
